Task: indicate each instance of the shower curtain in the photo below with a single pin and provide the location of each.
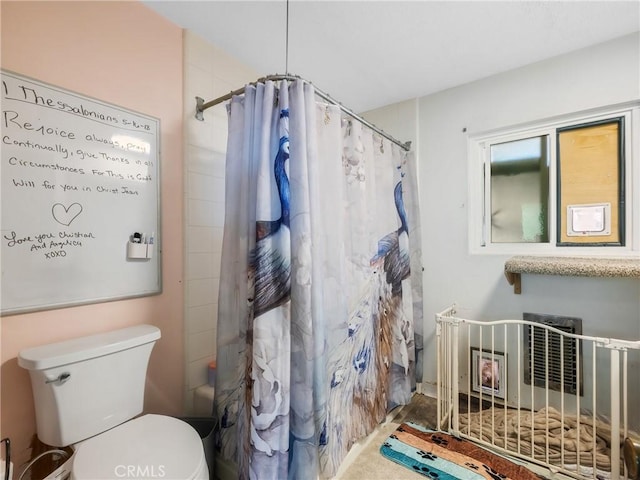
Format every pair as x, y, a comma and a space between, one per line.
320, 300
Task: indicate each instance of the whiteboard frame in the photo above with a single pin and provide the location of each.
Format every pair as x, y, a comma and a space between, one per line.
157, 258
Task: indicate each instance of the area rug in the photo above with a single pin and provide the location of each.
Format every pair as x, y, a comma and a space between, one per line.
440, 456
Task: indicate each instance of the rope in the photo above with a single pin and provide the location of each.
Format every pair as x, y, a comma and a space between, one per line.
286, 47
565, 441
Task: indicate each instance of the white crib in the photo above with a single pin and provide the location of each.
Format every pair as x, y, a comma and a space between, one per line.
538, 393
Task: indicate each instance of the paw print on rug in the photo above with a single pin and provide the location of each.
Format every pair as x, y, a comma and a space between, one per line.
394, 436
438, 440
386, 444
426, 471
426, 455
472, 465
493, 474
400, 429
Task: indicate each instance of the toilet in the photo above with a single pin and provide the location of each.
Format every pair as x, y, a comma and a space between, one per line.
88, 394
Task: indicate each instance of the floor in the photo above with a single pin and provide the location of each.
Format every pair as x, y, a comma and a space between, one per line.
365, 462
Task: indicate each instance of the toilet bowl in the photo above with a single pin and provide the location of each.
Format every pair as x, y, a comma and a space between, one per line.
88, 393
147, 447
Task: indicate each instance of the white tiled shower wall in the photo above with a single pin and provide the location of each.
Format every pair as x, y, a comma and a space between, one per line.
208, 73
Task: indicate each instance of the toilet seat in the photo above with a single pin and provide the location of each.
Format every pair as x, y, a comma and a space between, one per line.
150, 446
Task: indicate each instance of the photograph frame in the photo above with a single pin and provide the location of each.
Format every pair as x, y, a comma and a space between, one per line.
488, 368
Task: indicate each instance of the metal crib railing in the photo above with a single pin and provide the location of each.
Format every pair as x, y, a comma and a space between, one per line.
600, 370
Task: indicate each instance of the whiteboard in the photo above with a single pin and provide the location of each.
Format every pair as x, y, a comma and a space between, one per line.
79, 177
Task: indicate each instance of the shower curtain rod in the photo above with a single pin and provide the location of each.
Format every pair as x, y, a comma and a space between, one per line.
201, 106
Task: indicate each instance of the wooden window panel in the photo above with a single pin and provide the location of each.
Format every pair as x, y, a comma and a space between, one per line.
591, 170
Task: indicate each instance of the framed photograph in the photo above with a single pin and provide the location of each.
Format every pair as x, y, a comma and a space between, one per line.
489, 372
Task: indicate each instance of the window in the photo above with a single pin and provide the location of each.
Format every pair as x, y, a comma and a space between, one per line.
519, 184
558, 187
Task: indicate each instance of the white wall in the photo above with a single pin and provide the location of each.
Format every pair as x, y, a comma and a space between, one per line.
602, 75
399, 120
208, 73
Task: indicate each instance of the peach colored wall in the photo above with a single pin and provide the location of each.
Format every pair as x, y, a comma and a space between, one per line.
123, 53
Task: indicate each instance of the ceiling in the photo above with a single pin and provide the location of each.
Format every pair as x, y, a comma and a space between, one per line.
368, 54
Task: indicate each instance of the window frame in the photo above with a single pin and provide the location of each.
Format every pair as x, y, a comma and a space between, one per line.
479, 188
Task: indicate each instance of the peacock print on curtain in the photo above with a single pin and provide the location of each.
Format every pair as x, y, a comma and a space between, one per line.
320, 300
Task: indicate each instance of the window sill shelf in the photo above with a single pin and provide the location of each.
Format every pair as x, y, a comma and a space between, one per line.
569, 266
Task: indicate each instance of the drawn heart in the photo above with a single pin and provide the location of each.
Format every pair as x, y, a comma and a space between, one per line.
66, 215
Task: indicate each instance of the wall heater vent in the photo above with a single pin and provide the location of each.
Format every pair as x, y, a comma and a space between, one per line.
545, 359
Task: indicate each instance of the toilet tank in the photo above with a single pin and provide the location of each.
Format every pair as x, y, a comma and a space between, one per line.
85, 386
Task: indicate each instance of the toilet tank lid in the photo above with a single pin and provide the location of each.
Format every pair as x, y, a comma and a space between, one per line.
84, 348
